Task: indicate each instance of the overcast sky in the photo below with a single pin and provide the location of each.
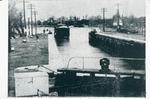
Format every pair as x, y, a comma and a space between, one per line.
57, 8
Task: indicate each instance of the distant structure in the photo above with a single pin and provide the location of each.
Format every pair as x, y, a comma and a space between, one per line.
117, 21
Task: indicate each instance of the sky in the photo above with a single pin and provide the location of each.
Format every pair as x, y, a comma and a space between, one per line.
80, 8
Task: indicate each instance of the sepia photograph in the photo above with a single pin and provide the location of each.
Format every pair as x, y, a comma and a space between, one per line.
76, 48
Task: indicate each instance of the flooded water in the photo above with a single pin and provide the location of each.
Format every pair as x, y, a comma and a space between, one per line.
81, 54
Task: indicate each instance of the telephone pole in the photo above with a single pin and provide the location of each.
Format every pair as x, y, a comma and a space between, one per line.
29, 26
31, 8
24, 10
35, 24
104, 10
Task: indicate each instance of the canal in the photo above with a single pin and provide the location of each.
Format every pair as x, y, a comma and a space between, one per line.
81, 54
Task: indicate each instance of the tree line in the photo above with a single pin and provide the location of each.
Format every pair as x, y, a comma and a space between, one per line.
93, 21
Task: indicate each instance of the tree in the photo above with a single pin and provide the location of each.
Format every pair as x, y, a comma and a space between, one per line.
39, 22
12, 16
45, 23
15, 23
51, 21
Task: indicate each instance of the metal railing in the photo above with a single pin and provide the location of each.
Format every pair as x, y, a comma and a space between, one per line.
119, 58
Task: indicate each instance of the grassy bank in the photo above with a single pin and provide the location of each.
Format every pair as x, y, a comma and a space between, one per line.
33, 52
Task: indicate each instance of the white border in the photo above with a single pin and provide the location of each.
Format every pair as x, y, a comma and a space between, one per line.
4, 52
3, 48
147, 48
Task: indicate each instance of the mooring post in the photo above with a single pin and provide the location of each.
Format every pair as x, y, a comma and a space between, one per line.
117, 85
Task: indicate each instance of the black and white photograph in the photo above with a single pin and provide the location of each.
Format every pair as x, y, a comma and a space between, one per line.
77, 48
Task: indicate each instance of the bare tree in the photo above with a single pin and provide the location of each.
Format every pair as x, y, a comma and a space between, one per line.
15, 22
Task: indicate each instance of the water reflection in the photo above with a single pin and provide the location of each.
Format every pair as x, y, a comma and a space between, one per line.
62, 42
135, 64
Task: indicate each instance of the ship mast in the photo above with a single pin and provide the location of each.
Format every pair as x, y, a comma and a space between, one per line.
118, 17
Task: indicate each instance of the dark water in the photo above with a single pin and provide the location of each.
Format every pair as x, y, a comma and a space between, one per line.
78, 47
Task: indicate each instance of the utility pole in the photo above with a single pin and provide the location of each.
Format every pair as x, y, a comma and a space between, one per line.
35, 24
24, 10
31, 7
29, 26
104, 10
21, 24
